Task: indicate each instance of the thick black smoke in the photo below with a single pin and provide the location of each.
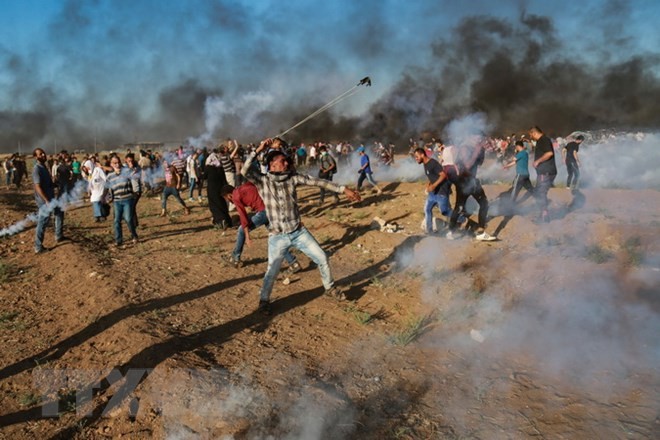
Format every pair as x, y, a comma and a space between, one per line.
519, 74
117, 75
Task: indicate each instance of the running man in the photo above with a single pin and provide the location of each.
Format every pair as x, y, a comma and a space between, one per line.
365, 171
438, 187
521, 161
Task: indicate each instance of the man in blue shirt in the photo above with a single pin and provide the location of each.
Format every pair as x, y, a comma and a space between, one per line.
44, 195
437, 189
521, 161
365, 171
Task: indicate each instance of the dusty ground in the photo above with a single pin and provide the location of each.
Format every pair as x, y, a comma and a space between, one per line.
551, 332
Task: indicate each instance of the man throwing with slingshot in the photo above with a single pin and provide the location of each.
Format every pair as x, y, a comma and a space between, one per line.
278, 191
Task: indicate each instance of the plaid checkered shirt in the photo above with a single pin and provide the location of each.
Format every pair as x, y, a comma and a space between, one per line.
280, 196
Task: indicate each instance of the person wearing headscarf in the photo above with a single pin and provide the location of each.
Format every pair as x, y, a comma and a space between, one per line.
216, 179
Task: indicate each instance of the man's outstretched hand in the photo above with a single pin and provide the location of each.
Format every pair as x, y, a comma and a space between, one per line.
351, 195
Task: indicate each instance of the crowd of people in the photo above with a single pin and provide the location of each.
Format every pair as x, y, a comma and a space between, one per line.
264, 179
456, 168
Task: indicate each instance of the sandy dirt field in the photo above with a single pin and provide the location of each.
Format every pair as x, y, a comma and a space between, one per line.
550, 332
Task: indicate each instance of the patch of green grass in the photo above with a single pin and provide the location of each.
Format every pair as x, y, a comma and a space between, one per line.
360, 215
402, 432
6, 270
412, 330
11, 321
67, 400
206, 249
29, 399
634, 254
7, 317
547, 242
158, 314
376, 282
597, 254
363, 317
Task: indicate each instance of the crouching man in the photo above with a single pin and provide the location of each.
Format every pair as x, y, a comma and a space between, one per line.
278, 191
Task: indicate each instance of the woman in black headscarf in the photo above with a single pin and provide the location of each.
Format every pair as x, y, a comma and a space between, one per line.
216, 179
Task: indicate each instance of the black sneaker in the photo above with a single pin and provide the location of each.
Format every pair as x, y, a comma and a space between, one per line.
265, 308
62, 239
335, 293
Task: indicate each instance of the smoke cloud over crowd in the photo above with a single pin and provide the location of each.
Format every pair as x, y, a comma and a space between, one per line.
114, 72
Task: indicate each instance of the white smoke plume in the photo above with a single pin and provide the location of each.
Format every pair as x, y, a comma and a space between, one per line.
217, 404
244, 111
467, 128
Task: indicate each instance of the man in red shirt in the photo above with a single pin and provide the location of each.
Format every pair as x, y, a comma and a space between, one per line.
247, 196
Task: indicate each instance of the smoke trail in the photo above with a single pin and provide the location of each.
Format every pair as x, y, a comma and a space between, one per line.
19, 226
70, 199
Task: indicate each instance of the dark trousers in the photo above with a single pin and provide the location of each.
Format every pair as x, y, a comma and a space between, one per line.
216, 179
134, 217
465, 188
543, 184
323, 190
520, 182
573, 174
170, 191
200, 186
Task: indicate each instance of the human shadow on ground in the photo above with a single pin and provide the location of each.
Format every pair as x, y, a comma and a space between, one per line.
152, 356
503, 206
105, 322
577, 202
21, 201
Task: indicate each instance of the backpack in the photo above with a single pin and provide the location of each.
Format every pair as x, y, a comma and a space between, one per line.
327, 161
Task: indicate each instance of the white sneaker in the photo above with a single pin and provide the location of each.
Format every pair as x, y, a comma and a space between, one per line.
485, 237
191, 199
451, 236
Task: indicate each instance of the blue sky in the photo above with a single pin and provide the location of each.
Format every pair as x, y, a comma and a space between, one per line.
113, 64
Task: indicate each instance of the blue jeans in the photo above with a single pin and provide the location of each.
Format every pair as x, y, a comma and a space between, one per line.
169, 191
96, 209
442, 201
369, 177
123, 209
42, 223
192, 183
258, 219
301, 239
